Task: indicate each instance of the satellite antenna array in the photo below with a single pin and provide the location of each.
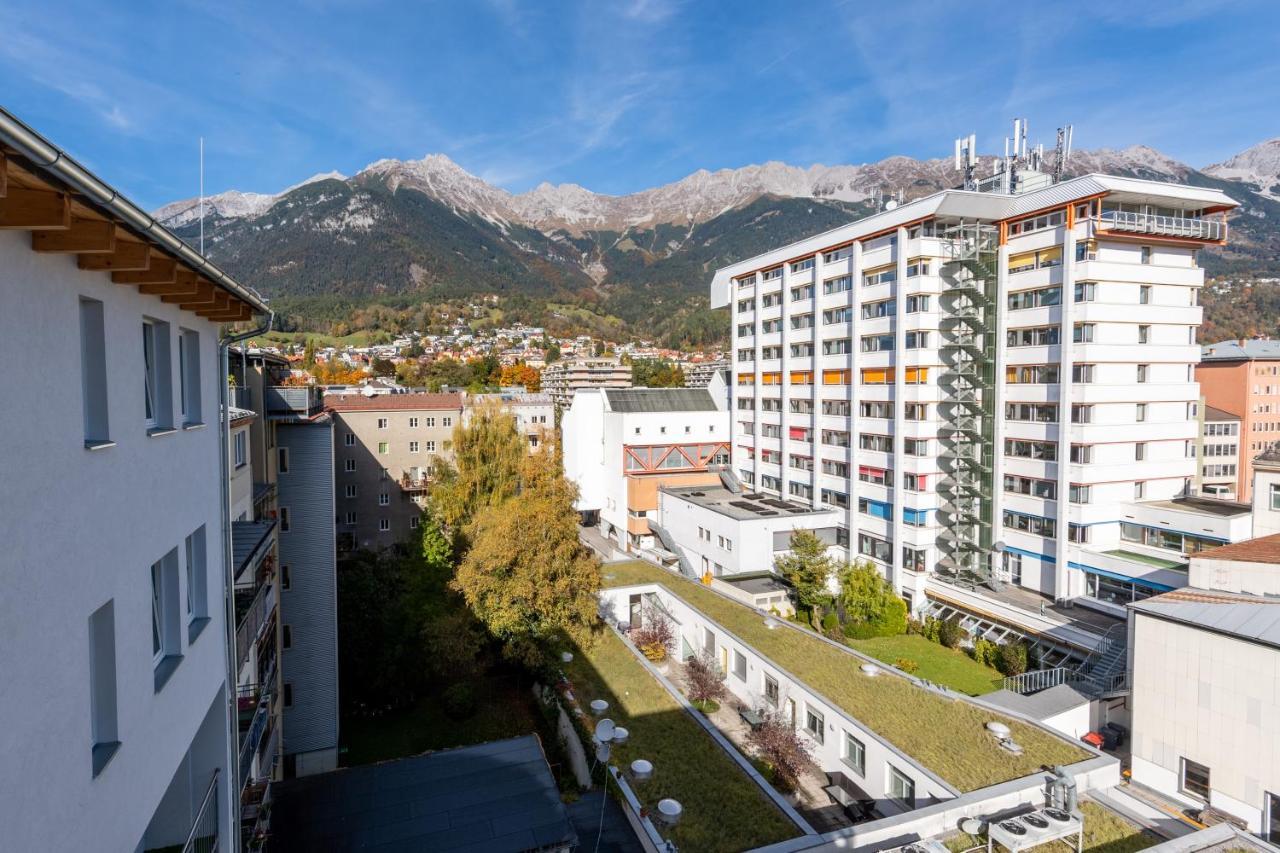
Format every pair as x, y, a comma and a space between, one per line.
967, 159
1063, 152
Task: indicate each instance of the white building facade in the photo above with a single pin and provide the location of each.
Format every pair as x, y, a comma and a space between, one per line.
974, 369
116, 730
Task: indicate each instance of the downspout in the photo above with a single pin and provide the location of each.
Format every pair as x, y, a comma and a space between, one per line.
228, 579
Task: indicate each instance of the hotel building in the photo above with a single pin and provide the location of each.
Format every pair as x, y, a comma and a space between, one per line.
993, 387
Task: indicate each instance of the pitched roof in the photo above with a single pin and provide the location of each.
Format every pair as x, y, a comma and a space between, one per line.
357, 402
660, 400
1264, 549
1240, 350
1213, 413
1255, 618
491, 798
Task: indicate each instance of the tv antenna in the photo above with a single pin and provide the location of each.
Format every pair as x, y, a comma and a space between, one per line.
967, 159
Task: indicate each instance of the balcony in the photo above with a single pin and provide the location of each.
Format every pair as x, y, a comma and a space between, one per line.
302, 401
411, 482
1163, 226
203, 837
242, 397
253, 613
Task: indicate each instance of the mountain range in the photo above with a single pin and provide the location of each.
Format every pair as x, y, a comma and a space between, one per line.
410, 232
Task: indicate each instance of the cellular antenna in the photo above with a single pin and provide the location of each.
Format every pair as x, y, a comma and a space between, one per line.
1062, 151
966, 159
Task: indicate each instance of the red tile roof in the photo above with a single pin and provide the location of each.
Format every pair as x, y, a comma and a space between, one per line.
357, 402
1264, 549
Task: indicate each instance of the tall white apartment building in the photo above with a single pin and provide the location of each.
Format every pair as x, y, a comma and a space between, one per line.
117, 726
986, 373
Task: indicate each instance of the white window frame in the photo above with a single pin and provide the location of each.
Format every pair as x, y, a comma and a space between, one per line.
349, 465
384, 499
384, 525
150, 371
383, 423
413, 447
907, 786
350, 439
351, 491
852, 745
240, 446
819, 732
1183, 761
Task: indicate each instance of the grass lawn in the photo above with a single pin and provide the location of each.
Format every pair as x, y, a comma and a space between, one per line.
938, 664
724, 810
1104, 832
945, 735
502, 711
1158, 562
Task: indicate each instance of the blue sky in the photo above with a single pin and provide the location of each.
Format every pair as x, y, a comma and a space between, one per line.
620, 96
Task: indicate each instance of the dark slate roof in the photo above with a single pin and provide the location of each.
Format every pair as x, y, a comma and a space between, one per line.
1213, 413
491, 798
249, 540
660, 400
1255, 618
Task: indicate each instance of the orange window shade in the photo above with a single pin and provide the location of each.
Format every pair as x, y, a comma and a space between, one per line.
835, 377
877, 376
917, 375
771, 378
801, 377
746, 379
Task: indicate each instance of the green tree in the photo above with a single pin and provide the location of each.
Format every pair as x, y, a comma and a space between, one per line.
309, 353
527, 577
552, 351
383, 367
807, 568
488, 452
869, 602
655, 373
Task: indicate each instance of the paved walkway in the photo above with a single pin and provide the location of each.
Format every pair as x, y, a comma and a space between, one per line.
593, 539
1145, 809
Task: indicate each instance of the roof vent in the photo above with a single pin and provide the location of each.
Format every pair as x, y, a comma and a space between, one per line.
998, 729
870, 670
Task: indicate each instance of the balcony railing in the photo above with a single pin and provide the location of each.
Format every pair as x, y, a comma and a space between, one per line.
203, 837
410, 483
255, 816
300, 401
1167, 226
257, 615
242, 397
258, 697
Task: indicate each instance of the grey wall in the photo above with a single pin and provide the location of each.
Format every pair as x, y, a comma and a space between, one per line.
310, 604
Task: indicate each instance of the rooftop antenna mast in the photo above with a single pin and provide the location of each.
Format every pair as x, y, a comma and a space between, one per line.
202, 195
967, 160
1063, 152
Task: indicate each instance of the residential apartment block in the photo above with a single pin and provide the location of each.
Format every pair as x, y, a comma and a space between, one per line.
561, 379
1243, 378
1221, 454
621, 445
978, 373
118, 728
535, 414
384, 446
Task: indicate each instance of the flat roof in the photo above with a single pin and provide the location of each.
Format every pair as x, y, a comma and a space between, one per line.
357, 401
1254, 618
1206, 506
740, 506
497, 797
1041, 705
944, 733
756, 583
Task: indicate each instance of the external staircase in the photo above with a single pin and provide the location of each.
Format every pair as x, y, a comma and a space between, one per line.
1104, 674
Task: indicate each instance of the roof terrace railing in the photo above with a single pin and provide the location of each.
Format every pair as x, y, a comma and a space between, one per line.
300, 401
1169, 226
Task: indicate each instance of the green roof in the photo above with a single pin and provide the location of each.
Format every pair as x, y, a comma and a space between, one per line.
944, 735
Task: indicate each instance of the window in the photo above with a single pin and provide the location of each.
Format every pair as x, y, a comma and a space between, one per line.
286, 577
382, 423
1140, 451
1146, 257
197, 582
349, 465
1275, 496
881, 276
915, 446
1040, 298
384, 525
431, 422
349, 439
801, 266
288, 695
1026, 449
739, 665
158, 404
837, 315
913, 559
413, 522
813, 724
351, 490
93, 373
384, 448
351, 518
883, 308
855, 754
286, 637
1195, 779
164, 610
1144, 372
189, 375
918, 303
837, 255
916, 340
1144, 334
836, 346
240, 443
1085, 291
901, 788
1033, 336
284, 519
413, 447
1082, 333
837, 285
413, 423
446, 421
384, 499
103, 709
1139, 490
282, 460
770, 690
1033, 524
799, 293
1144, 294
1082, 373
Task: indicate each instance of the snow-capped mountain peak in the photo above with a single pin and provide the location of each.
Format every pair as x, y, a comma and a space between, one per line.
1259, 165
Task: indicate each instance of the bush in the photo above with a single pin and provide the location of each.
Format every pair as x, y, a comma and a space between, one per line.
915, 626
906, 664
655, 637
460, 700
870, 602
704, 679
984, 651
950, 634
831, 625
930, 629
1012, 659
780, 747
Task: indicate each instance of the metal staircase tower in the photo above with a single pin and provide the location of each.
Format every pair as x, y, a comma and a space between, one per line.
969, 303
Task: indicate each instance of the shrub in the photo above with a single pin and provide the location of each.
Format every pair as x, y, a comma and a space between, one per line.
704, 678
459, 700
831, 625
655, 637
781, 749
870, 602
1012, 659
984, 651
906, 664
931, 629
915, 626
950, 634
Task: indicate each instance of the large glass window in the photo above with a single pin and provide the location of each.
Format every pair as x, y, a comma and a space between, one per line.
1195, 779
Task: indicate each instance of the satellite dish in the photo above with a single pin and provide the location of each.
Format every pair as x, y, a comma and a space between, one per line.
368, 391
604, 730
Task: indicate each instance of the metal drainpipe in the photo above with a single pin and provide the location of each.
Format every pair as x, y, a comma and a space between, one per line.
228, 577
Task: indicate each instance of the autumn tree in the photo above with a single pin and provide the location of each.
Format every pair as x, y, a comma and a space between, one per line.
527, 577
488, 453
777, 742
807, 568
704, 681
